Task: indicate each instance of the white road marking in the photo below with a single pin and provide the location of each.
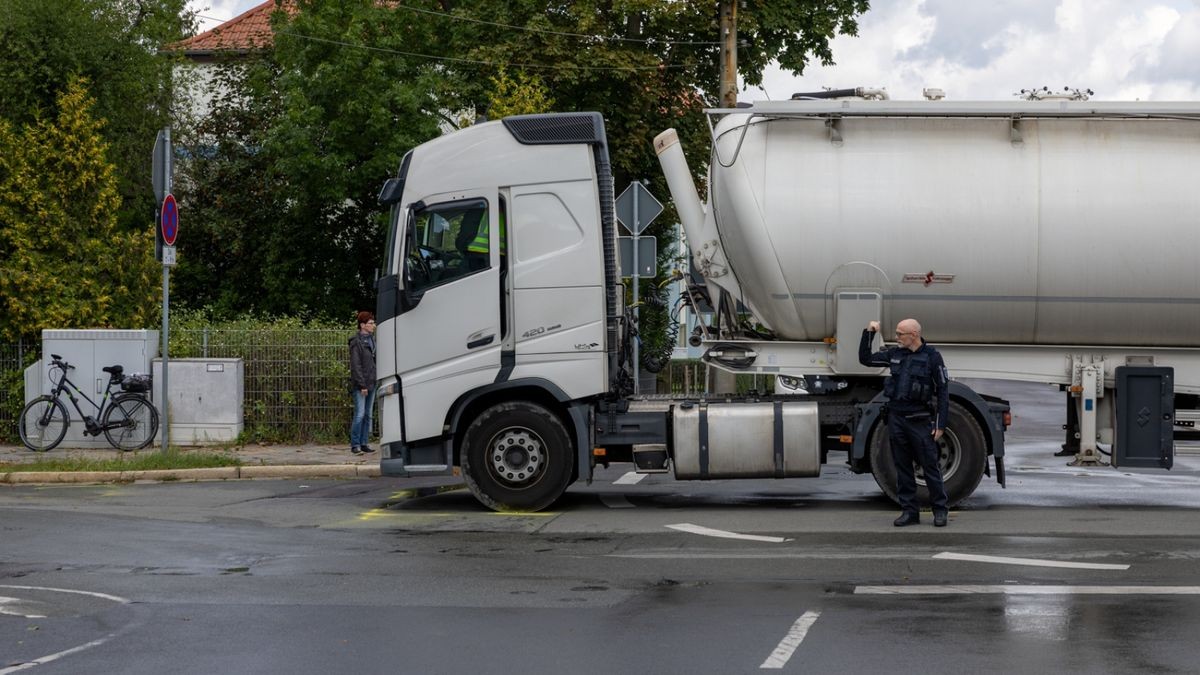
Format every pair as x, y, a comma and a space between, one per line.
114, 598
631, 478
616, 502
1032, 562
789, 643
66, 652
19, 608
54, 657
723, 534
1018, 589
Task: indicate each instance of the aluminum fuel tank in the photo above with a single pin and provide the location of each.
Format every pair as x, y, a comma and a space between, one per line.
1000, 227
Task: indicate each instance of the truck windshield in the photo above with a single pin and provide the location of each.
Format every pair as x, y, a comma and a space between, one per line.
447, 241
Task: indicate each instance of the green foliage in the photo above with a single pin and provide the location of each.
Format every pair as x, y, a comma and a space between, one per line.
64, 263
348, 115
144, 460
232, 197
522, 94
113, 44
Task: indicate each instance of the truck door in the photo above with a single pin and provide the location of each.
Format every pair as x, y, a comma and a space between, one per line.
448, 334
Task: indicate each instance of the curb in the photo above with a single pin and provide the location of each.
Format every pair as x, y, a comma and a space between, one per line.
192, 475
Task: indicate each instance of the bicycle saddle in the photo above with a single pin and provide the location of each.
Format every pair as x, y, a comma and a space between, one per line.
115, 370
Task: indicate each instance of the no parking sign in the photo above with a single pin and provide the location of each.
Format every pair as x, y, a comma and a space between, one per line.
169, 220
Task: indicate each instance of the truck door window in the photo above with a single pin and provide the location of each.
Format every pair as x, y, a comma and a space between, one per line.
447, 242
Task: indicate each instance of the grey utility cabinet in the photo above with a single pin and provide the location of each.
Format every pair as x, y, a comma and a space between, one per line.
206, 400
89, 350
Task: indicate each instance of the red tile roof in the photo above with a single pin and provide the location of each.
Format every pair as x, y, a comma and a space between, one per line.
247, 32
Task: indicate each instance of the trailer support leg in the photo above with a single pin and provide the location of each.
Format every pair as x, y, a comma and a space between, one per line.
1091, 379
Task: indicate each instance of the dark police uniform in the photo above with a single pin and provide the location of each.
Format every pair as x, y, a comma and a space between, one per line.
918, 402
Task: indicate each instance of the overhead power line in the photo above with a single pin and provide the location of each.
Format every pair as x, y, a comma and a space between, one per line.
473, 61
459, 17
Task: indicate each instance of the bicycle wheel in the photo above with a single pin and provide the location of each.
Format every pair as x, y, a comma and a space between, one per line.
130, 423
44, 423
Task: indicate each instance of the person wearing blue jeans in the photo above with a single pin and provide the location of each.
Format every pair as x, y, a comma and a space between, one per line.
362, 383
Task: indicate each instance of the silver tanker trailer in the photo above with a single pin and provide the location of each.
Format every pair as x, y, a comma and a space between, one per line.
1045, 241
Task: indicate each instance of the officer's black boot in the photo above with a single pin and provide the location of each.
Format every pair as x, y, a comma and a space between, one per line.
907, 518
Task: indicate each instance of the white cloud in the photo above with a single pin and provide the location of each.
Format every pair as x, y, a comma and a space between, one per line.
990, 49
215, 12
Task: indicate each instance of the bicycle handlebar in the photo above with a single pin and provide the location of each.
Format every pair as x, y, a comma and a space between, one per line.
57, 361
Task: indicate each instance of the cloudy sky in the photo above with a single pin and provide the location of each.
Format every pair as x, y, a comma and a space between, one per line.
989, 49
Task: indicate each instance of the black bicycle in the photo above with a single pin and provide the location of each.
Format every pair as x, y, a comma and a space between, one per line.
127, 419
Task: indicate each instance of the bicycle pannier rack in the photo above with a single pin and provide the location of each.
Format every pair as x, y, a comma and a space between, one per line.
136, 383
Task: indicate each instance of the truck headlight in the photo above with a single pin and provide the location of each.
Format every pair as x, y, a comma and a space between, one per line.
793, 383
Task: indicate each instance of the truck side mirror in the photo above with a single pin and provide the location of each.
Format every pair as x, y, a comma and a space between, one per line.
387, 297
392, 191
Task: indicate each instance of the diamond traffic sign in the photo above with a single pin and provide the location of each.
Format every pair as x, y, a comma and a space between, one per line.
647, 209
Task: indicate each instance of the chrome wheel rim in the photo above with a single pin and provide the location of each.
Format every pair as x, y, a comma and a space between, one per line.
516, 457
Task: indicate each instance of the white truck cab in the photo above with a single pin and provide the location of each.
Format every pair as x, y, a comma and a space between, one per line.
496, 302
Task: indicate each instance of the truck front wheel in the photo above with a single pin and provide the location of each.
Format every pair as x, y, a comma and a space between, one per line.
962, 454
517, 457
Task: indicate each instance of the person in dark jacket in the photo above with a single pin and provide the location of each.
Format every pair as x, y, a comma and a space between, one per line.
917, 408
362, 383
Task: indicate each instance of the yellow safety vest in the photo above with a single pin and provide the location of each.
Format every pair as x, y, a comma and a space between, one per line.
480, 243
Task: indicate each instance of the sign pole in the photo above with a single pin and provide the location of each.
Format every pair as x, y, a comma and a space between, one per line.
166, 323
166, 227
637, 380
166, 317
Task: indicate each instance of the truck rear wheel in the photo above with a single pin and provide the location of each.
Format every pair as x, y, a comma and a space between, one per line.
962, 454
517, 457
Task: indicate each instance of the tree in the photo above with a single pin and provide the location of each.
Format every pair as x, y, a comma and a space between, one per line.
522, 94
348, 113
114, 45
64, 263
231, 194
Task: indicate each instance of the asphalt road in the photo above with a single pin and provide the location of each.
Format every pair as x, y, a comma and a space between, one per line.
1075, 570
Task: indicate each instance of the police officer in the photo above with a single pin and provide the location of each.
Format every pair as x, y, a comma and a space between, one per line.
917, 408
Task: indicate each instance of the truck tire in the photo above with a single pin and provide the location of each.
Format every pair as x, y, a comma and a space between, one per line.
962, 454
517, 457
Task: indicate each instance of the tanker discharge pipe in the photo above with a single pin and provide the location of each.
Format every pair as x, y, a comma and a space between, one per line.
679, 182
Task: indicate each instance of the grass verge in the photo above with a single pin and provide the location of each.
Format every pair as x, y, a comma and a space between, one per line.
146, 462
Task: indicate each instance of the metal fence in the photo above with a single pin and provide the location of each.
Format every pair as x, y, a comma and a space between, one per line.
296, 379
14, 358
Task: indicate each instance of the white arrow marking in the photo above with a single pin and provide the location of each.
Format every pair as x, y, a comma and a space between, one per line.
709, 532
1032, 562
1015, 589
